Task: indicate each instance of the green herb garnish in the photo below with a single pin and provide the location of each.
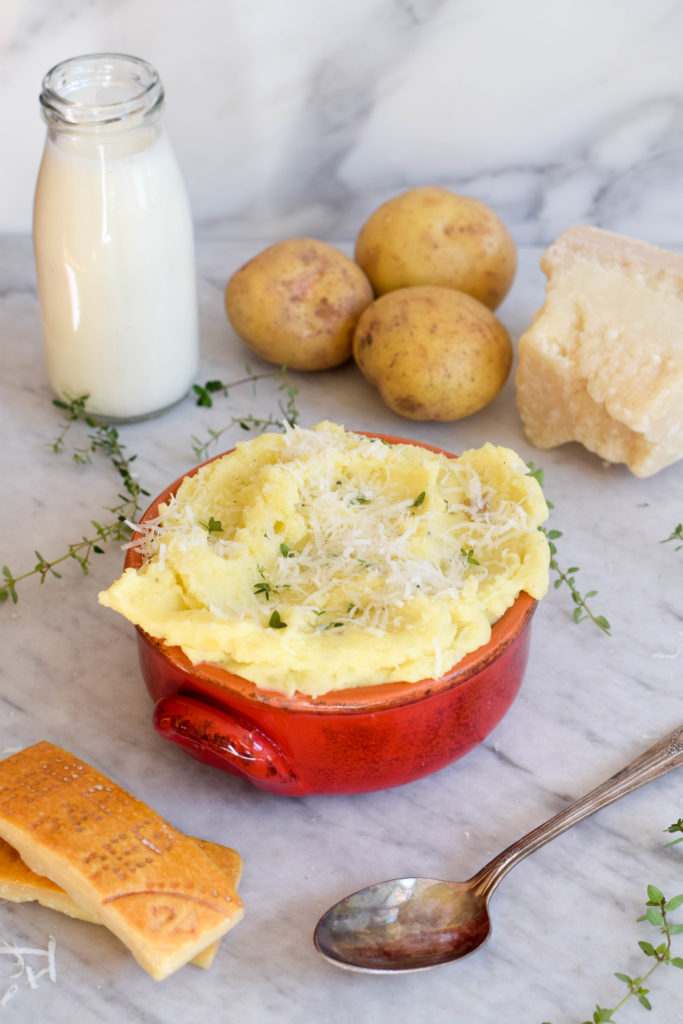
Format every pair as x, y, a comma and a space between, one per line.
568, 576
676, 827
657, 913
263, 586
288, 412
676, 534
102, 439
469, 556
213, 525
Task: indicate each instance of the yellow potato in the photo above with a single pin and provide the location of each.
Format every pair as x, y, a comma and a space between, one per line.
297, 303
433, 353
433, 236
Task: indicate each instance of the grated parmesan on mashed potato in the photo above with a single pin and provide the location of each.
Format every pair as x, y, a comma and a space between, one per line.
319, 559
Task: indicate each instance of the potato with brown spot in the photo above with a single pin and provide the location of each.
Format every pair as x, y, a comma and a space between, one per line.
433, 236
297, 303
433, 353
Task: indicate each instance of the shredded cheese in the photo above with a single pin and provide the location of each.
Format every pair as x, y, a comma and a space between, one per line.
23, 969
343, 536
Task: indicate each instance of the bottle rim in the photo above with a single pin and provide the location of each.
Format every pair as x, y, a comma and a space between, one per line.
99, 89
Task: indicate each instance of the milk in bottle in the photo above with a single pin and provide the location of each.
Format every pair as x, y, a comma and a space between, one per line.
113, 242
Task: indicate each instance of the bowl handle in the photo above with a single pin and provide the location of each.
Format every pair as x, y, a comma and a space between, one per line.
216, 737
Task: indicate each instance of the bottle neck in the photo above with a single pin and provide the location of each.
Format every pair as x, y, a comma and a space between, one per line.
103, 94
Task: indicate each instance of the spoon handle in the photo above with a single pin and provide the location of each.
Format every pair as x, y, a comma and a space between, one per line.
661, 758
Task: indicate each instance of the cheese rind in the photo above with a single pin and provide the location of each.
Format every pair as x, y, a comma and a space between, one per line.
602, 362
19, 884
115, 857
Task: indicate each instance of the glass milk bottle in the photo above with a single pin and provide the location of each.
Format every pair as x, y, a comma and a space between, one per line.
113, 242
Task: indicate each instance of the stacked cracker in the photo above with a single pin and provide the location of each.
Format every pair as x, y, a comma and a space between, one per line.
77, 842
602, 362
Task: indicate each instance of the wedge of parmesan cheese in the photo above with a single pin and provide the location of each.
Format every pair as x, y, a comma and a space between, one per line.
602, 362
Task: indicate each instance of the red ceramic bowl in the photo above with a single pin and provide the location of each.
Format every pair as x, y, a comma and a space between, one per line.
346, 741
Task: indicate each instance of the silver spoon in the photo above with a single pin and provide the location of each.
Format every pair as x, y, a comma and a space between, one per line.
410, 924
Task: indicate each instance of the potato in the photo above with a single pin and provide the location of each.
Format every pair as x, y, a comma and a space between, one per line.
297, 303
433, 353
433, 236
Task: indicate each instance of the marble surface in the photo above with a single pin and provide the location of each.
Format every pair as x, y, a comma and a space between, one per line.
564, 919
299, 118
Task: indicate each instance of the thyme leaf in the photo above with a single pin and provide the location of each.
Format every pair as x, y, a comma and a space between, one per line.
103, 440
658, 910
677, 826
469, 556
676, 534
288, 412
582, 609
265, 587
213, 525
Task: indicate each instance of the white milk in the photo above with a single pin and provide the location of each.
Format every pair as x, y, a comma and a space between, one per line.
115, 264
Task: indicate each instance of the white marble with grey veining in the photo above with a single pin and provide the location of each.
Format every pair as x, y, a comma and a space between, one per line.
300, 117
564, 919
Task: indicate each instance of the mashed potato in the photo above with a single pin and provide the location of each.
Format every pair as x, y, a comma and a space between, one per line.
319, 559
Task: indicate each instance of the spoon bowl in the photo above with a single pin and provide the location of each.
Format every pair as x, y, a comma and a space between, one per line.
408, 924
411, 924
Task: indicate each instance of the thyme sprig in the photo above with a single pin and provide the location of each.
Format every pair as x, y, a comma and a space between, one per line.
568, 576
676, 534
676, 827
657, 913
74, 410
265, 587
287, 407
582, 609
102, 439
